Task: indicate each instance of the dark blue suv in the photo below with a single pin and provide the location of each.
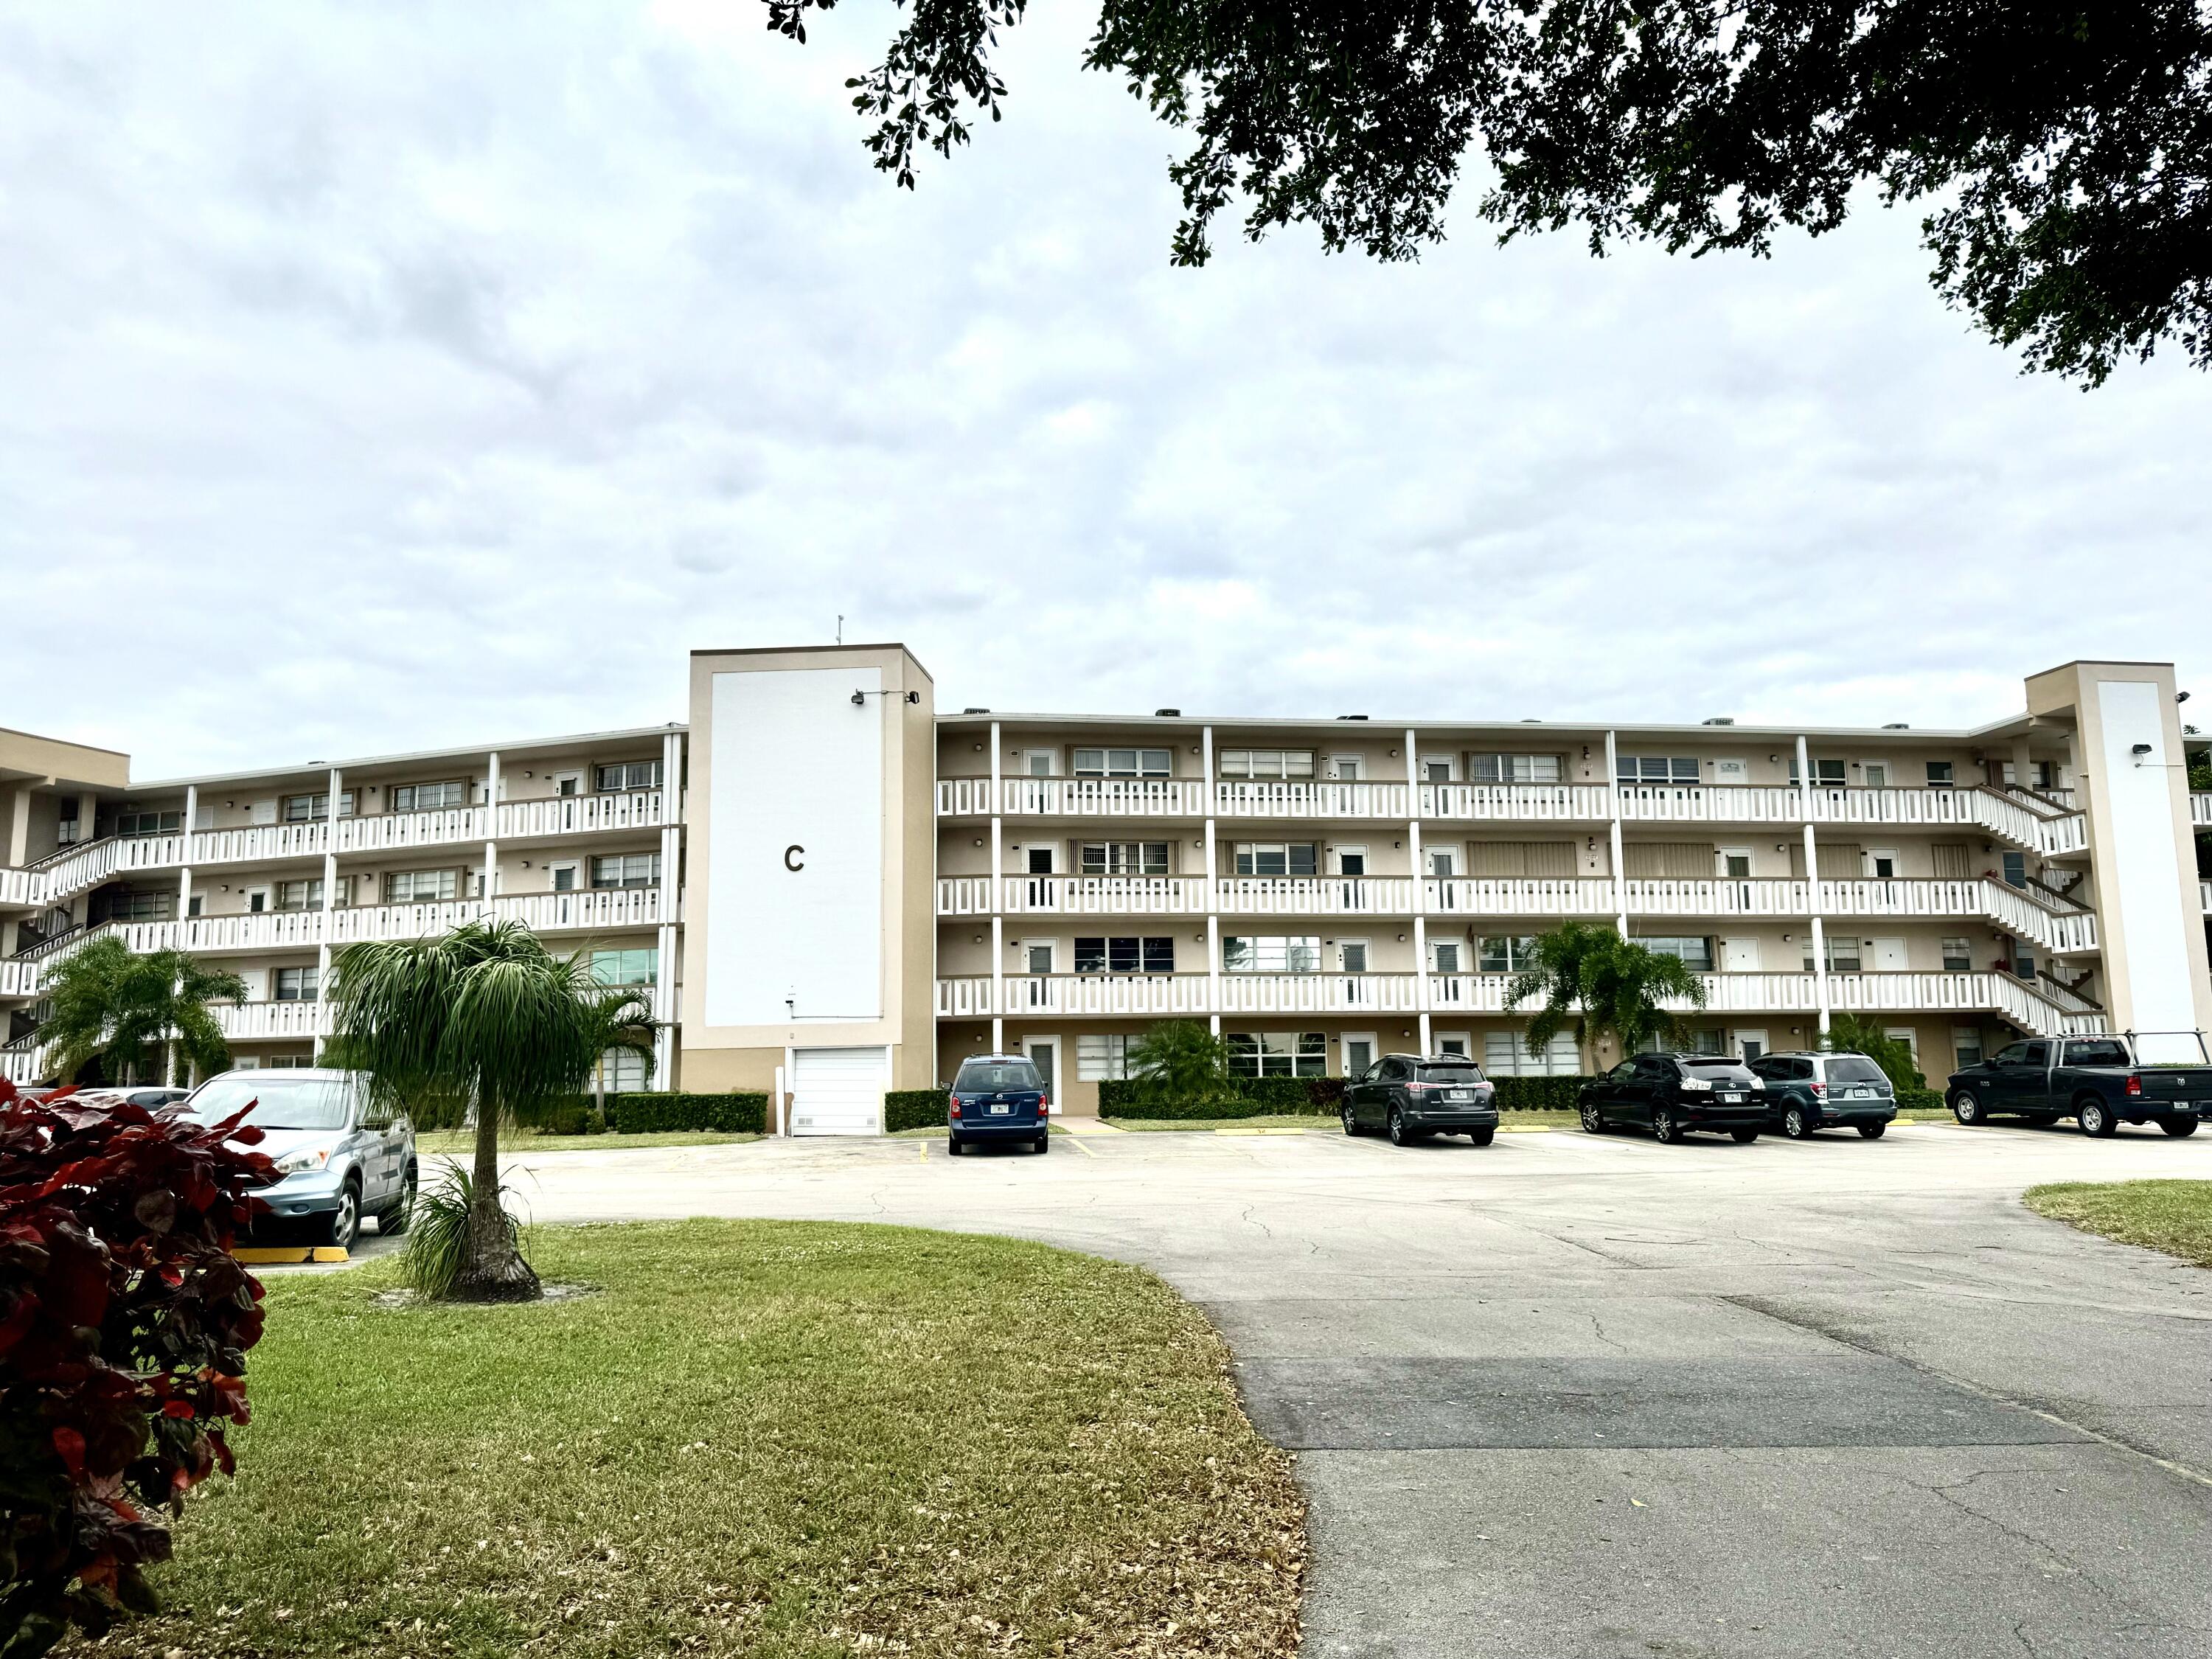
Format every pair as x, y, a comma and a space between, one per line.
998, 1097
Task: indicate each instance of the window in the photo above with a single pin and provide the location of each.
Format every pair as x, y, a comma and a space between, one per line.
1447, 955
1958, 954
1101, 1055
127, 906
420, 886
1966, 1046
1124, 762
1505, 1053
621, 1072
1278, 1054
2015, 869
1125, 956
1506, 953
1842, 955
429, 797
1694, 952
313, 809
148, 823
1658, 768
618, 775
1826, 774
1939, 775
1124, 858
1277, 858
1267, 763
1352, 956
636, 965
626, 870
1272, 955
1712, 1041
1460, 1046
1512, 768
299, 895
295, 984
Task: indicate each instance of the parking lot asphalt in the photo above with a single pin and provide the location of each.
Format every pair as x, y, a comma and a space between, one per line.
1579, 1398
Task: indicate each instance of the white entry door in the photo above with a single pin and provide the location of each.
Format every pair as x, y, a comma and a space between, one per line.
1044, 1054
837, 1092
1887, 956
1739, 956
1731, 771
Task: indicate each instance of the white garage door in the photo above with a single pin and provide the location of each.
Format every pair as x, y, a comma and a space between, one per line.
836, 1091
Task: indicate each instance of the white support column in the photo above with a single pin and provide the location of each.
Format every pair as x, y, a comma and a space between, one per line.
998, 902
1420, 885
491, 844
1212, 885
1813, 887
184, 874
1612, 802
335, 786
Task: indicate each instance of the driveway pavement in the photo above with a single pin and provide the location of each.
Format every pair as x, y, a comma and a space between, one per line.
1574, 1398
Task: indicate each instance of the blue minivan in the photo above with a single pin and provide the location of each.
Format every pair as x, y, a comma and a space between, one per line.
998, 1097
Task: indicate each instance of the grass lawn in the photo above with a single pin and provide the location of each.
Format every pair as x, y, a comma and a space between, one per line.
769, 1438
2174, 1216
462, 1143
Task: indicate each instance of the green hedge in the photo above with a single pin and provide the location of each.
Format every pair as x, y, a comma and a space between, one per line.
652, 1112
1286, 1096
916, 1109
1918, 1099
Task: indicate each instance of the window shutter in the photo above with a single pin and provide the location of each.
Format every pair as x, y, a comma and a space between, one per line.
1951, 861
1668, 860
265, 812
1513, 860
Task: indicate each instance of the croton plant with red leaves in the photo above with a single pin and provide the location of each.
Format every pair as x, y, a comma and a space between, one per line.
125, 1322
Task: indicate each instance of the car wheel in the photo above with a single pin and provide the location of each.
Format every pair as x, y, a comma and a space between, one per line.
1664, 1128
2178, 1127
1484, 1137
1872, 1131
951, 1147
1042, 1143
2096, 1120
1967, 1106
1351, 1123
1796, 1124
1399, 1135
1743, 1137
342, 1227
1593, 1119
391, 1220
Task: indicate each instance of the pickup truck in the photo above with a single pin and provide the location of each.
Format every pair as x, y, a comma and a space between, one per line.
2100, 1082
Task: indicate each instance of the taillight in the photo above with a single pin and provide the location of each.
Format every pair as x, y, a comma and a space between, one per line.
956, 1109
2135, 1085
1820, 1089
1044, 1108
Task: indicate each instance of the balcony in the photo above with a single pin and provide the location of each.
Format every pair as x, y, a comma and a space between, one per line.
2200, 810
1356, 995
255, 1022
72, 870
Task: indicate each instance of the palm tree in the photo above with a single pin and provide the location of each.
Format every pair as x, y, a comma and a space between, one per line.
1853, 1034
125, 1009
484, 1014
1178, 1060
1604, 986
622, 1021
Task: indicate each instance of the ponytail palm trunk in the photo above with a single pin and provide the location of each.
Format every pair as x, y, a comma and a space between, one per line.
485, 1015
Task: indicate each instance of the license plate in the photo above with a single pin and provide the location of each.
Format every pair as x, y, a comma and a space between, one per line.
1731, 1100
1459, 1094
1000, 1110
1861, 1094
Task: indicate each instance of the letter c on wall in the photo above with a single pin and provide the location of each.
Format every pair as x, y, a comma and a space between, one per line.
791, 858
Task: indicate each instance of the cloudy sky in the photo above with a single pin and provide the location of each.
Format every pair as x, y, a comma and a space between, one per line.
375, 377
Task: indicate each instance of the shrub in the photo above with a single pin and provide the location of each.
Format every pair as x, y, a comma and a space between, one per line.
1288, 1097
438, 1230
1178, 1059
123, 1325
1919, 1100
1538, 1094
738, 1112
916, 1109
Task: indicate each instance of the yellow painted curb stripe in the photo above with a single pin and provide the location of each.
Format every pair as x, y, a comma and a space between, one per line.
273, 1256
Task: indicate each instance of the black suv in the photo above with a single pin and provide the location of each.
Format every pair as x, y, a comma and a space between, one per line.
1810, 1091
1412, 1096
1671, 1095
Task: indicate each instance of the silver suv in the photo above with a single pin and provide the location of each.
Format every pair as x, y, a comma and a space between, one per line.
339, 1157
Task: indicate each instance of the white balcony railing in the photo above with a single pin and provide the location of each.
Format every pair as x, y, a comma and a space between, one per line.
21, 1065
18, 978
2200, 810
253, 1022
1167, 996
2204, 896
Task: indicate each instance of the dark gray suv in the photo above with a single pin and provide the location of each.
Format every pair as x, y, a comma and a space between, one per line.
1412, 1096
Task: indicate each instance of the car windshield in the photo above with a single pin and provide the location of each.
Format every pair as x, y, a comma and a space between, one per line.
1718, 1068
283, 1103
1854, 1068
994, 1076
1451, 1074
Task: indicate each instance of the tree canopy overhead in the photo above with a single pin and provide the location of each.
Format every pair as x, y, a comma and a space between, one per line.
2062, 149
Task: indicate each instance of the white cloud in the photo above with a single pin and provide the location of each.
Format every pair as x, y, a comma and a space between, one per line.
378, 378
